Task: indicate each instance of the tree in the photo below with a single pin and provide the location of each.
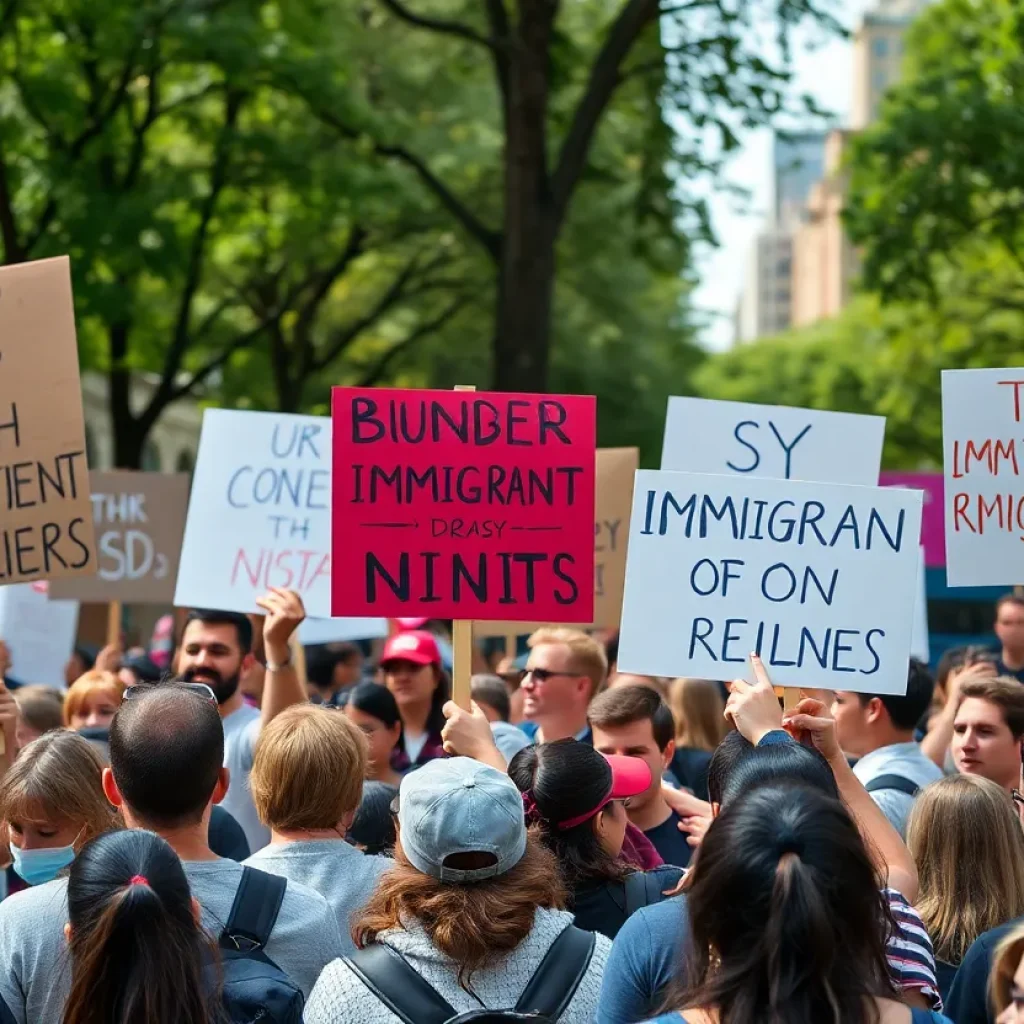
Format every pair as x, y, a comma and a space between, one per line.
935, 189
550, 73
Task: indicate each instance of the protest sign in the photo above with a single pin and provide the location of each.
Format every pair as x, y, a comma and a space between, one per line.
139, 519
932, 527
462, 505
819, 579
703, 436
39, 632
983, 446
337, 631
259, 515
920, 644
45, 521
615, 468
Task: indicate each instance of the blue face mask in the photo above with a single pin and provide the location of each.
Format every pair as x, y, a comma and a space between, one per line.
39, 866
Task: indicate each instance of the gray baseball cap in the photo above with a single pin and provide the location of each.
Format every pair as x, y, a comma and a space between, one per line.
458, 805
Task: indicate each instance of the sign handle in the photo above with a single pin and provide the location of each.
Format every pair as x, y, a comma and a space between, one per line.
511, 643
790, 697
462, 640
114, 611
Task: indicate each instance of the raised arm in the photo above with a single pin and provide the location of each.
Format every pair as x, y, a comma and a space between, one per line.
283, 688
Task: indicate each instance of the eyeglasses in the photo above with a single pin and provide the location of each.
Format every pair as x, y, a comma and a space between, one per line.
141, 689
542, 675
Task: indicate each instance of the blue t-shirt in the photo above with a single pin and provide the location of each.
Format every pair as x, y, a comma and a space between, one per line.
532, 728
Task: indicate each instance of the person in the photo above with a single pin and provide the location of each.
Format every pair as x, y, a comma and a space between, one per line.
411, 664
92, 700
52, 804
656, 683
372, 708
216, 649
373, 828
331, 672
39, 710
988, 729
1007, 983
307, 780
699, 714
138, 954
137, 667
166, 772
472, 906
633, 721
786, 918
983, 973
1009, 629
510, 670
878, 729
578, 797
564, 671
955, 667
81, 661
967, 887
491, 696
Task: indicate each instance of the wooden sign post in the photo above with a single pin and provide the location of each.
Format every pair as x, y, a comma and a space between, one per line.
462, 641
114, 612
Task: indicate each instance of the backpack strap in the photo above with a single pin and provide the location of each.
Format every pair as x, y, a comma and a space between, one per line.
399, 986
897, 782
563, 968
635, 885
254, 912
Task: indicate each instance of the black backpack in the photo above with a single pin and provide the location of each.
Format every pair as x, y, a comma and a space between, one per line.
897, 782
254, 987
406, 994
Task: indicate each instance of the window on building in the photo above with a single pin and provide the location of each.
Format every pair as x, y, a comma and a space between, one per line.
880, 47
879, 81
151, 457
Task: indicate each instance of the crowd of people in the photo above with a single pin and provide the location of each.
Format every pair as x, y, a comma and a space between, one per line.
209, 834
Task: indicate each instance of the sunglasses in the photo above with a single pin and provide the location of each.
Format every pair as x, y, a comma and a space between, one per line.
141, 689
542, 675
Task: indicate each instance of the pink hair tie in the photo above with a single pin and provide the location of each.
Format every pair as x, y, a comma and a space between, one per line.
138, 880
530, 808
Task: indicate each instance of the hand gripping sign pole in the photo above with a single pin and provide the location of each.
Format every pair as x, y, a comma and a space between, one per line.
462, 640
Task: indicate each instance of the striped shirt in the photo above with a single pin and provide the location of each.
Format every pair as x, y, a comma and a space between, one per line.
909, 951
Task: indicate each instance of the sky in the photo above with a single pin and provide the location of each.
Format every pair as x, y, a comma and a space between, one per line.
827, 75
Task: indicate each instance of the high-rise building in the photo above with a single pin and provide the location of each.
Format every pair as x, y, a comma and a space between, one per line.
878, 55
766, 300
799, 163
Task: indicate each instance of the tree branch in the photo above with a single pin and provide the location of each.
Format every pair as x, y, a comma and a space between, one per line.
13, 252
603, 81
497, 18
440, 25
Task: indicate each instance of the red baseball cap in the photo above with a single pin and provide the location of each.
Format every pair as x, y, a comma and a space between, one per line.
417, 623
413, 645
630, 777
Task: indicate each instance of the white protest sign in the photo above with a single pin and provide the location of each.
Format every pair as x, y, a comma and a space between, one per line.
704, 436
260, 512
819, 579
983, 448
40, 633
920, 645
343, 630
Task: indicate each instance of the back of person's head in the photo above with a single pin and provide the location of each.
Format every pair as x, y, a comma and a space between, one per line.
308, 769
466, 869
561, 782
624, 705
1005, 964
40, 709
166, 754
321, 663
377, 701
969, 848
1005, 693
137, 950
491, 692
906, 710
87, 689
57, 777
211, 617
737, 765
699, 712
786, 914
373, 827
587, 655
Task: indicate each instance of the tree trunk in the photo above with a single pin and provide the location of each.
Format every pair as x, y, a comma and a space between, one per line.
129, 437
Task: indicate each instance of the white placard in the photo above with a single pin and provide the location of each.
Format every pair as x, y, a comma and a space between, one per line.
820, 579
40, 633
337, 631
920, 644
260, 512
776, 441
983, 447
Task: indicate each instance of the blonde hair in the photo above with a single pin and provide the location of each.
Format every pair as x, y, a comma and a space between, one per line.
967, 886
588, 656
699, 711
58, 775
1008, 956
308, 768
88, 684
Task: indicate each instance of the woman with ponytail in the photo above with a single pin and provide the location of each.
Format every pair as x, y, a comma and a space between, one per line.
137, 951
788, 923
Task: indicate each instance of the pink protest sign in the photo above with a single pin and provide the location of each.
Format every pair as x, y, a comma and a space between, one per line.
931, 516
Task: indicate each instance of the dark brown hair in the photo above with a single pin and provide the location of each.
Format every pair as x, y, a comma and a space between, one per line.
624, 705
1006, 694
475, 923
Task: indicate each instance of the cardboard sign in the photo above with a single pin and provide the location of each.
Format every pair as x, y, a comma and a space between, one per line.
983, 447
337, 631
463, 505
819, 579
139, 520
45, 518
615, 469
259, 515
39, 632
774, 441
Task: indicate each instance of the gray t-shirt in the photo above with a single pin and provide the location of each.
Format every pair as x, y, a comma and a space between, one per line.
241, 730
343, 875
905, 760
35, 976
